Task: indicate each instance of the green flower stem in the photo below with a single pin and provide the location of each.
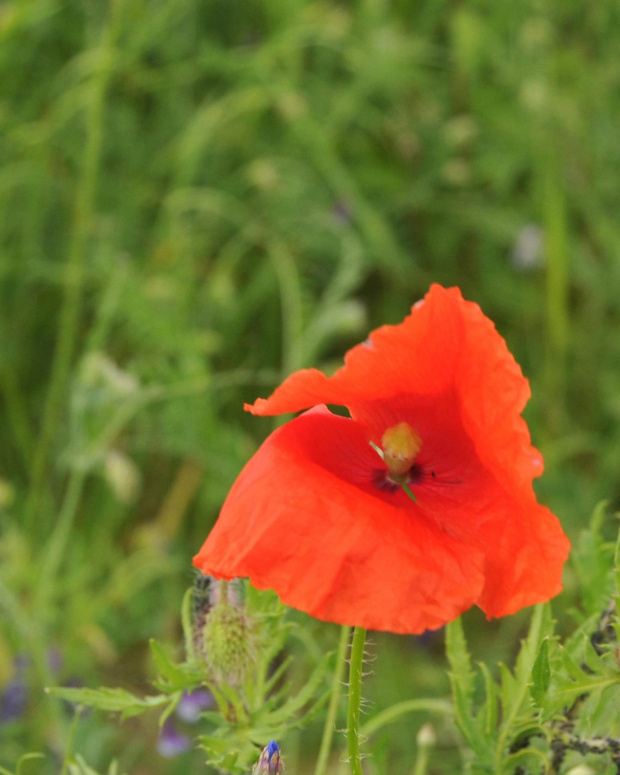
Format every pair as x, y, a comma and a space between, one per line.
332, 710
356, 666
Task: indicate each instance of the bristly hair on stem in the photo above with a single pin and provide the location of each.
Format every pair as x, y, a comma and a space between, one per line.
355, 699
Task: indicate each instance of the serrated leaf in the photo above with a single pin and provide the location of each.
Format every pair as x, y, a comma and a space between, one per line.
575, 643
541, 674
286, 713
111, 700
460, 662
592, 559
167, 669
462, 681
489, 712
569, 665
528, 760
228, 755
516, 712
565, 694
509, 687
515, 687
541, 626
277, 674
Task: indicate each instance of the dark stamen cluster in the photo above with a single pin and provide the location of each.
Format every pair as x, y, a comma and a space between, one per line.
387, 482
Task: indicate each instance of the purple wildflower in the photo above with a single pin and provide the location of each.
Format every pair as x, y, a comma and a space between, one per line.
171, 742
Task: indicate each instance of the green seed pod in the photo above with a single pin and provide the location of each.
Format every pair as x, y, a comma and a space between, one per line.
228, 644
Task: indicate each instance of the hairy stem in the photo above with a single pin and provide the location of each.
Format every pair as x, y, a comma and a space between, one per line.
355, 698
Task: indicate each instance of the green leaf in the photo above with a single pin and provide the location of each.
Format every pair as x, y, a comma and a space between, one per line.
166, 668
112, 700
541, 674
80, 767
516, 712
462, 681
567, 693
286, 713
389, 715
491, 705
20, 763
509, 688
541, 626
528, 760
592, 560
460, 662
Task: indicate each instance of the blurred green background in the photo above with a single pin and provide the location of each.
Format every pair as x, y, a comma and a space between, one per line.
197, 198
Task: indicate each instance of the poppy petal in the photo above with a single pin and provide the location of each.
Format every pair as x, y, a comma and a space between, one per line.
304, 518
416, 356
526, 549
446, 343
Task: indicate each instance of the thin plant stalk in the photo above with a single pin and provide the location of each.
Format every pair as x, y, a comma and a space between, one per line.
55, 548
356, 671
332, 709
70, 313
557, 281
70, 739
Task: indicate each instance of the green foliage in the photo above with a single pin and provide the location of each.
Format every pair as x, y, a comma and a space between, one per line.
249, 713
112, 700
560, 698
19, 770
79, 767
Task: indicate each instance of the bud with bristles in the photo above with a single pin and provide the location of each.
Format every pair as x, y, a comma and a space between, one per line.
227, 643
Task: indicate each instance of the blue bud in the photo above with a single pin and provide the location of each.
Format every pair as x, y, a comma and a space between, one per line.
270, 762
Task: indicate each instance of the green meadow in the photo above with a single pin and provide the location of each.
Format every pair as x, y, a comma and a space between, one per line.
196, 199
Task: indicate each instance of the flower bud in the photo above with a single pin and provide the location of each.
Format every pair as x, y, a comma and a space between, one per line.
426, 737
270, 762
227, 643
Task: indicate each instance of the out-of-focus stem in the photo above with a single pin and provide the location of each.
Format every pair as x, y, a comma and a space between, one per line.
332, 710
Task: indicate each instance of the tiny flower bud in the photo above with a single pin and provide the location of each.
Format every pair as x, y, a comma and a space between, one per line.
426, 736
270, 762
227, 642
401, 445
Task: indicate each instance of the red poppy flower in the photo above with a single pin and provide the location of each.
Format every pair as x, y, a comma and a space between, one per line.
418, 505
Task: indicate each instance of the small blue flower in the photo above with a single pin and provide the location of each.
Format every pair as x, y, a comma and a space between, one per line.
15, 694
270, 762
192, 704
172, 742
13, 701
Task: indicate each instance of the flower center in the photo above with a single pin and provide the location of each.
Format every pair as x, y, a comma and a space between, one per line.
401, 445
